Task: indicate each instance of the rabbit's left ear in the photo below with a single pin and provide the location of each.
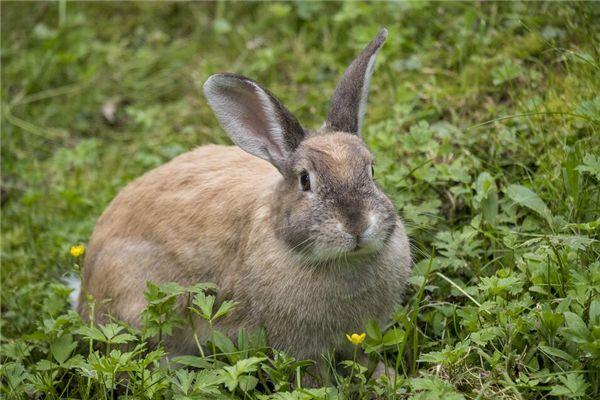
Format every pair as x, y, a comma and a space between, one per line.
253, 117
349, 99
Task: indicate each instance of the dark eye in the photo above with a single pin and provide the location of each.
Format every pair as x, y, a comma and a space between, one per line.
372, 171
305, 180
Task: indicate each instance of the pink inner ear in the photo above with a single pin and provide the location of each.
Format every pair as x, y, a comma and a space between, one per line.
258, 116
254, 118
246, 108
247, 114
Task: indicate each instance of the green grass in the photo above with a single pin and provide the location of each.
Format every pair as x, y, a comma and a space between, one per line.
485, 121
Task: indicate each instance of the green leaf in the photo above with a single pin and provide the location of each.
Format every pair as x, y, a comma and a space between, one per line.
585, 226
193, 361
553, 351
393, 337
417, 280
373, 330
573, 386
123, 338
434, 357
171, 289
207, 382
486, 335
489, 207
205, 304
506, 72
595, 312
111, 330
62, 348
224, 309
528, 198
591, 165
182, 381
91, 332
17, 350
231, 374
576, 330
223, 343
576, 323
247, 382
487, 196
45, 365
589, 108
431, 388
248, 365
15, 374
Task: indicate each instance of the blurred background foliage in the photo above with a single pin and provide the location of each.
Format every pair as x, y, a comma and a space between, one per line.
484, 118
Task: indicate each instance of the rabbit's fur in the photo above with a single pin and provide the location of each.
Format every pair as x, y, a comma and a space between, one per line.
307, 265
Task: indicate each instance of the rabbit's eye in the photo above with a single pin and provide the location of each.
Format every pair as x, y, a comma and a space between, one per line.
305, 180
372, 171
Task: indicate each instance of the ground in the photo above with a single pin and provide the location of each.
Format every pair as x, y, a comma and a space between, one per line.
485, 122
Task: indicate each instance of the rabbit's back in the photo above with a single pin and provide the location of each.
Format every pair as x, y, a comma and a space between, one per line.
184, 221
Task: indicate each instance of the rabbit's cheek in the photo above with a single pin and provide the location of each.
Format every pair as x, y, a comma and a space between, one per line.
329, 240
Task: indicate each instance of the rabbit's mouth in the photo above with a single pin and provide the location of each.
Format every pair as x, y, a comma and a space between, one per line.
347, 257
366, 247
363, 247
350, 248
335, 242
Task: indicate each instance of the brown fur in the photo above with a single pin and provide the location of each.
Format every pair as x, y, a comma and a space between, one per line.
309, 266
188, 222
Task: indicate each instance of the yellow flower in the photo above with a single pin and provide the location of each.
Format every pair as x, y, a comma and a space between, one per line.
356, 339
77, 251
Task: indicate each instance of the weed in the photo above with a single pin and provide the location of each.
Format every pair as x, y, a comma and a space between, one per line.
485, 121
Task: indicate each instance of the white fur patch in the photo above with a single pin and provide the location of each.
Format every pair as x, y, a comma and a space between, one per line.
74, 283
372, 228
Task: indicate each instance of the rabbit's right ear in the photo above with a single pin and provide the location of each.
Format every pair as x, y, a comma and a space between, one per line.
347, 109
254, 118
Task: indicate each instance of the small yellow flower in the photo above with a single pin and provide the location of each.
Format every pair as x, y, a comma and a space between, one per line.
77, 251
356, 339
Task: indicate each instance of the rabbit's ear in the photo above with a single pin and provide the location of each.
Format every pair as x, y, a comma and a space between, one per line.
349, 99
253, 118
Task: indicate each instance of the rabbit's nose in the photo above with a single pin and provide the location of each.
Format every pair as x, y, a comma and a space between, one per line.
355, 221
360, 234
357, 229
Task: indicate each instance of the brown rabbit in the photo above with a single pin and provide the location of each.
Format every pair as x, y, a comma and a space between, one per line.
289, 224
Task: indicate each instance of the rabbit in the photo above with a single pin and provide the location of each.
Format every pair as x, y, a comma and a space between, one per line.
289, 224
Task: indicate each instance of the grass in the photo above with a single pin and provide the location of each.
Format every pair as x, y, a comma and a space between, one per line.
485, 121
